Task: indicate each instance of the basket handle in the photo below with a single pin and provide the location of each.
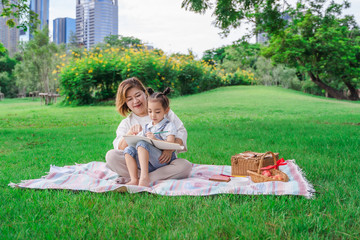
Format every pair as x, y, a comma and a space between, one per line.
262, 160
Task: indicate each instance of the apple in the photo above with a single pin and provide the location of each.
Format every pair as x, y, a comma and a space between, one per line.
266, 173
278, 177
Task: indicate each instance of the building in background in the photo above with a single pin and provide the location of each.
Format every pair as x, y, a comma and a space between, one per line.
62, 29
41, 8
9, 37
262, 38
95, 19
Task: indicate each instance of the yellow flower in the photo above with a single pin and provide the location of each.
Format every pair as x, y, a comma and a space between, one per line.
54, 72
63, 64
76, 74
67, 97
100, 55
90, 71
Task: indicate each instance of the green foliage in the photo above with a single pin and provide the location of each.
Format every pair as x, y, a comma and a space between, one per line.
93, 76
3, 50
214, 56
243, 65
19, 14
320, 43
230, 14
239, 77
7, 79
268, 74
240, 55
8, 84
123, 41
39, 58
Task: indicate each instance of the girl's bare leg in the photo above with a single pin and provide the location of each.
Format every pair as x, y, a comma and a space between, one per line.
132, 168
144, 166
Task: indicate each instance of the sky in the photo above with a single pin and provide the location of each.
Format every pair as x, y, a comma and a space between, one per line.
165, 25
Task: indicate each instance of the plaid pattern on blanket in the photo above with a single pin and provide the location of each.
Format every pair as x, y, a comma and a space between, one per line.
96, 177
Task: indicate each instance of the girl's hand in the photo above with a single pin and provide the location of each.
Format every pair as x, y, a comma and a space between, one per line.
135, 129
165, 156
150, 135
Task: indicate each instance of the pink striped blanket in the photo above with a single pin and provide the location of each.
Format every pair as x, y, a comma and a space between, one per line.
96, 177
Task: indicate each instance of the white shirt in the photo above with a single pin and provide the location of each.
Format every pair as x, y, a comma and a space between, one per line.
133, 119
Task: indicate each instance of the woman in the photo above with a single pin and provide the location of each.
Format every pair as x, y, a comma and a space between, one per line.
132, 98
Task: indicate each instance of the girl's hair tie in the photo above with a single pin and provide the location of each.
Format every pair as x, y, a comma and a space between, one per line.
150, 90
166, 91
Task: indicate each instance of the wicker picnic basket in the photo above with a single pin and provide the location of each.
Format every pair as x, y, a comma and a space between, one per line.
258, 177
248, 160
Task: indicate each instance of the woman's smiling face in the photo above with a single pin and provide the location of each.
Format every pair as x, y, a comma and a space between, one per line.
136, 101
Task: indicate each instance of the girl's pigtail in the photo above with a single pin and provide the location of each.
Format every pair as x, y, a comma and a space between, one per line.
150, 90
166, 91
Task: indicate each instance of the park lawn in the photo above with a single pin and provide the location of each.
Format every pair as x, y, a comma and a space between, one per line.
321, 134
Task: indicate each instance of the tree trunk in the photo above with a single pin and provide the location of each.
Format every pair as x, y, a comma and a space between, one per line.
353, 91
330, 90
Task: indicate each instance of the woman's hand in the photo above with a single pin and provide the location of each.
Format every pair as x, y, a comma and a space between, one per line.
165, 156
135, 129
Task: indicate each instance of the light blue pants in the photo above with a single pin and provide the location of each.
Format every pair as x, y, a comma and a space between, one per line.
154, 154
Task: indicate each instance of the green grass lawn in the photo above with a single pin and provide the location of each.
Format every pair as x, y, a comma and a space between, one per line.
321, 134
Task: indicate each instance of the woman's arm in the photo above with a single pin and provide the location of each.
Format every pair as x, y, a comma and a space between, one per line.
181, 135
124, 128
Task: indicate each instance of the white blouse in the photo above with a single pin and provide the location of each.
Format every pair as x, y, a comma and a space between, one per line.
133, 119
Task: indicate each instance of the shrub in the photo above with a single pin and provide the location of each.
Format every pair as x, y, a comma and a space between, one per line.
239, 77
91, 76
268, 74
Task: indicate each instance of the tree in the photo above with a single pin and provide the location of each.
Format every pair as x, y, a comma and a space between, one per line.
241, 55
18, 12
39, 61
214, 56
7, 80
230, 14
321, 43
125, 42
73, 42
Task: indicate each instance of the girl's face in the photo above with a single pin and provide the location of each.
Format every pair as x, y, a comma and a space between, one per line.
136, 101
156, 111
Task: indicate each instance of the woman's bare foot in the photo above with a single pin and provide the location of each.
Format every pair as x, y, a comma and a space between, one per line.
144, 182
133, 182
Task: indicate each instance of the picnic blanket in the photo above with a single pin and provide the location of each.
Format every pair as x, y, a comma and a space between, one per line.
96, 177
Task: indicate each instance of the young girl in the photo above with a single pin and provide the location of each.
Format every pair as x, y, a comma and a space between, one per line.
145, 156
